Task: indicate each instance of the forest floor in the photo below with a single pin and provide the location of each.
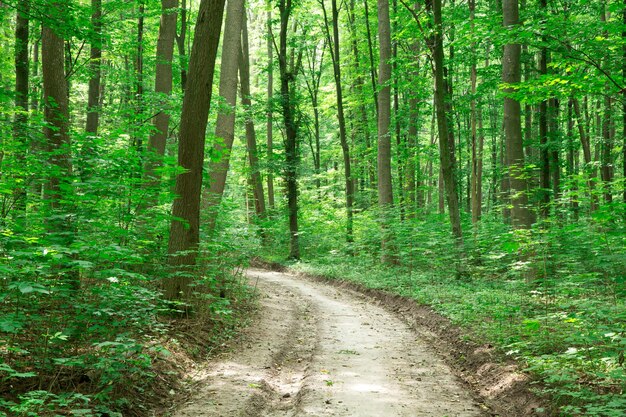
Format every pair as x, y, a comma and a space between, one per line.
319, 350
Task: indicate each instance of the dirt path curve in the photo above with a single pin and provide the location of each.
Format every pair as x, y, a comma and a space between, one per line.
319, 351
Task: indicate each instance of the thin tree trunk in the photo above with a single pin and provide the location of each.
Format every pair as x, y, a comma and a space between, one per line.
414, 198
253, 159
572, 157
446, 149
95, 57
180, 43
270, 116
20, 122
606, 159
334, 47
545, 113
162, 86
555, 150
400, 146
364, 122
139, 105
34, 105
475, 185
624, 105
185, 228
370, 47
586, 146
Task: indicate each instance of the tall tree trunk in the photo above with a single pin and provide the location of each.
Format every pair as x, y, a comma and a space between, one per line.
225, 125
56, 115
414, 197
521, 216
370, 48
624, 103
313, 86
359, 86
180, 43
291, 129
185, 228
163, 87
385, 190
334, 47
586, 146
555, 150
253, 158
270, 116
34, 105
138, 138
572, 160
20, 123
476, 156
545, 114
606, 168
606, 159
446, 149
95, 57
400, 147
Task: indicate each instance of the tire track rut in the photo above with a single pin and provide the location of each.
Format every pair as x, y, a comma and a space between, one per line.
319, 351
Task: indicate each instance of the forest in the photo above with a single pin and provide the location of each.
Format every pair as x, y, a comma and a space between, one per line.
467, 155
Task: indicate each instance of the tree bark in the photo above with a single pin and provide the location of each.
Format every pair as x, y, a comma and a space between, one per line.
521, 216
184, 231
333, 43
253, 158
624, 104
476, 184
139, 104
364, 122
370, 47
57, 191
291, 129
20, 122
586, 146
95, 57
225, 125
270, 113
545, 114
385, 190
446, 152
180, 43
163, 87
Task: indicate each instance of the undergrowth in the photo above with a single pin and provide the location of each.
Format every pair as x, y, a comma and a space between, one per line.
84, 330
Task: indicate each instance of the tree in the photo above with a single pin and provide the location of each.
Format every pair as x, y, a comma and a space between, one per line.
521, 216
20, 123
287, 76
477, 135
333, 43
163, 87
385, 190
95, 57
185, 227
225, 125
253, 157
446, 153
270, 116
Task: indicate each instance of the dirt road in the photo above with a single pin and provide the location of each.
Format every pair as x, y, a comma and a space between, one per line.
319, 351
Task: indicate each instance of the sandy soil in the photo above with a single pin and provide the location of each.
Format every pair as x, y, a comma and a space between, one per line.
321, 351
